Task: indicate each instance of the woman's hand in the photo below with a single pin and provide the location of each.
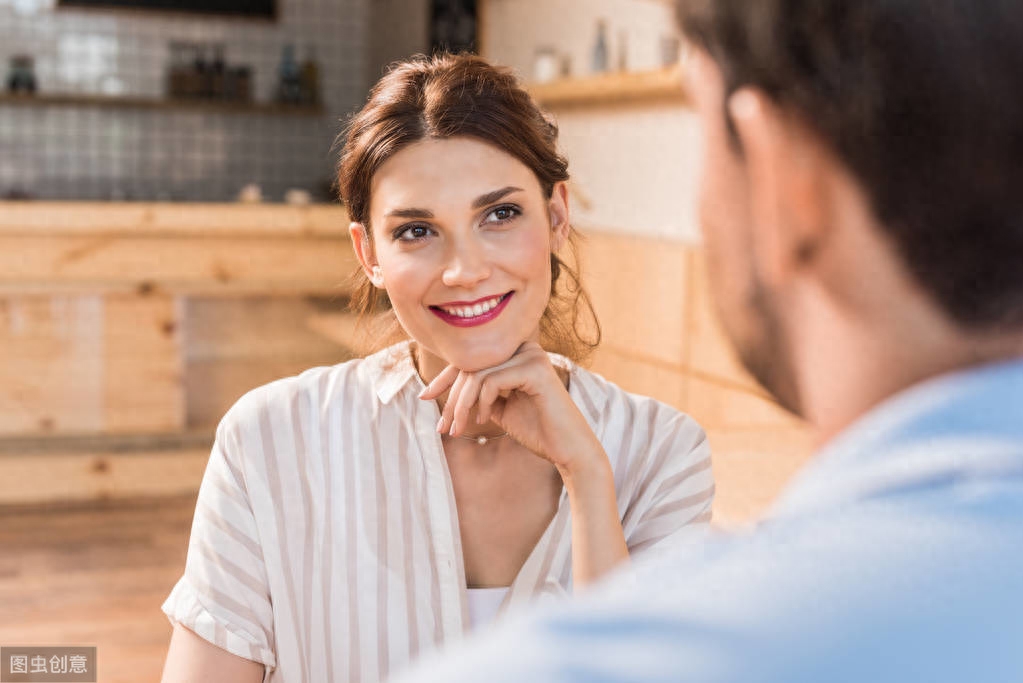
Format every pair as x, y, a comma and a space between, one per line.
525, 397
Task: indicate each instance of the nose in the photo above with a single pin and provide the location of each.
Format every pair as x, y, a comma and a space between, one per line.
467, 265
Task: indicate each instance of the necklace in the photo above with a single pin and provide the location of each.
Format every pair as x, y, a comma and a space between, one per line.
482, 440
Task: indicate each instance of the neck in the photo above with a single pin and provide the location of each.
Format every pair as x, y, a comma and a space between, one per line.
849, 369
428, 364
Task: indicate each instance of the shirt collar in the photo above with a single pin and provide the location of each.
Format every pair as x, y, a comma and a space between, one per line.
392, 370
965, 424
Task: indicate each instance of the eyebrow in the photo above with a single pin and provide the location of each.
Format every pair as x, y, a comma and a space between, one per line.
496, 195
478, 203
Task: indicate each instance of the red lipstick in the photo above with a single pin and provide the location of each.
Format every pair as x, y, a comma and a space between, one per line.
472, 321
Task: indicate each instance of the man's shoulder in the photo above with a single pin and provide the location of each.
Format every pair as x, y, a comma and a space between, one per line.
883, 592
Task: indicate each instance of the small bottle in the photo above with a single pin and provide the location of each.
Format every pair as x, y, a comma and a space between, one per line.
218, 69
310, 77
598, 63
204, 77
623, 51
288, 76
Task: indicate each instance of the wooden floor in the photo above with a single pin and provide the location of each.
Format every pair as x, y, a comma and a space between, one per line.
94, 575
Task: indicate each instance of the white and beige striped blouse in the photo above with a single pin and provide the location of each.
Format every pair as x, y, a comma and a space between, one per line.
325, 542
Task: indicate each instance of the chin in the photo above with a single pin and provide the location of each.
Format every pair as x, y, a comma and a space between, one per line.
480, 357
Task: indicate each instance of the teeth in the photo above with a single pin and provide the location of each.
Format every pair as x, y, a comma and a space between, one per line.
473, 311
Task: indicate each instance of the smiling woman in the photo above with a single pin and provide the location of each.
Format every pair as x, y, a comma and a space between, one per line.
356, 516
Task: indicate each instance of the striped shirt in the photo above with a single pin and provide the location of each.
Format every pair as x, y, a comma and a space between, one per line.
325, 542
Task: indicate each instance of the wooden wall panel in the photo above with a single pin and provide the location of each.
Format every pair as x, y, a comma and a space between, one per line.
89, 364
723, 407
639, 291
50, 364
710, 352
237, 344
639, 376
752, 467
143, 369
61, 470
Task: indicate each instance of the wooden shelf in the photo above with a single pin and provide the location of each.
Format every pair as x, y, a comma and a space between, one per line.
171, 219
152, 103
155, 249
664, 85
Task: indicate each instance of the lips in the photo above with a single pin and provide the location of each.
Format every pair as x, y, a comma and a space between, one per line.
472, 313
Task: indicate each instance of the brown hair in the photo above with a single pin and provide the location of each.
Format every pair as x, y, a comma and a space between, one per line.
922, 101
462, 95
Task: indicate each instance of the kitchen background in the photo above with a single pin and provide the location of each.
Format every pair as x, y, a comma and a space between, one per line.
147, 142
182, 245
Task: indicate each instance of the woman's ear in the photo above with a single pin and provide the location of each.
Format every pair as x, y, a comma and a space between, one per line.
559, 214
363, 244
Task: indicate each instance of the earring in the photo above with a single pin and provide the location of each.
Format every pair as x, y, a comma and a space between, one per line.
378, 276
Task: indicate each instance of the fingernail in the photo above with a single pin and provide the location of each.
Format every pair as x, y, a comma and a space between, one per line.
440, 425
452, 430
479, 419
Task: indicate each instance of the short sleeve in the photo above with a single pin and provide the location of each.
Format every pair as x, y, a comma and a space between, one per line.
674, 483
223, 596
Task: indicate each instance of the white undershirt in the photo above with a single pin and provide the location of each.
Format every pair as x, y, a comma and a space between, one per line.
483, 605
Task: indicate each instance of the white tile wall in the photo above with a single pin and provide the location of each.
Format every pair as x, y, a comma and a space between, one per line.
636, 164
101, 153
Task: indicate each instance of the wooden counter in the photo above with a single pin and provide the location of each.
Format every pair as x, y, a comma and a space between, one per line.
127, 330
173, 248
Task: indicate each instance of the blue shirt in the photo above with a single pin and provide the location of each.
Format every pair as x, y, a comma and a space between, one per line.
896, 555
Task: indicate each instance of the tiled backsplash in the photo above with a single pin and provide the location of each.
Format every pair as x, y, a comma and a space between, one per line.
90, 152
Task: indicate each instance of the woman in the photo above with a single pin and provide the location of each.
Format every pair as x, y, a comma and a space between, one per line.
355, 516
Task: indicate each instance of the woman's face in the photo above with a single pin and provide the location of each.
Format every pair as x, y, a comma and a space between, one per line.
462, 235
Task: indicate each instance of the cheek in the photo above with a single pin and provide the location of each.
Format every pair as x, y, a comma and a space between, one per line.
528, 251
407, 279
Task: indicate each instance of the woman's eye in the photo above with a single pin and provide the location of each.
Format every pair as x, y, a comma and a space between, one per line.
504, 213
412, 233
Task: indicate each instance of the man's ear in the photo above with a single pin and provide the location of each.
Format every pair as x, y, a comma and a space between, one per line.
786, 166
561, 224
363, 244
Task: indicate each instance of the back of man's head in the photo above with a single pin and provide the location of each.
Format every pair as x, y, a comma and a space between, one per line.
922, 100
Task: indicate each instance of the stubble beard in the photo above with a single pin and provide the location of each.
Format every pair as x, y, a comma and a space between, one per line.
766, 353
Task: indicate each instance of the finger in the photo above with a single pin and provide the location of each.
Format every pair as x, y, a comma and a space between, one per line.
467, 396
440, 383
489, 393
447, 415
497, 386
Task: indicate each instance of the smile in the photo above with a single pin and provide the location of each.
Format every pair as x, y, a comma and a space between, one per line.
471, 314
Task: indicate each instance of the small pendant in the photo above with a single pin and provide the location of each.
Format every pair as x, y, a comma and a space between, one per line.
481, 440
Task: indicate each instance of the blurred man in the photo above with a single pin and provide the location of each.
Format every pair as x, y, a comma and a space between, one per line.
862, 204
